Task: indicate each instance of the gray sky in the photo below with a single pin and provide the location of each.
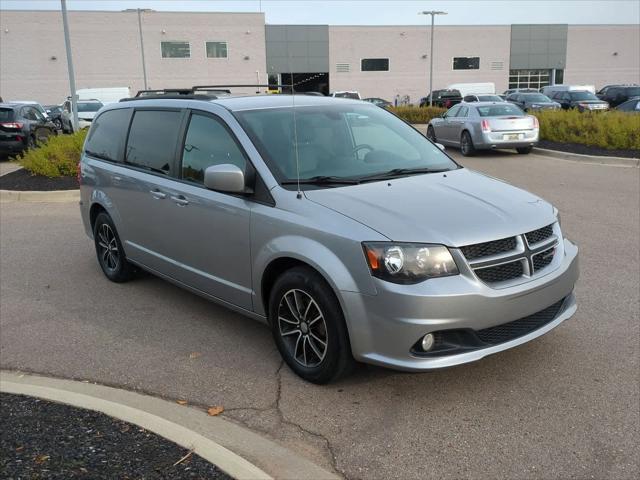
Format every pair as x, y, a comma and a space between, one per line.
380, 12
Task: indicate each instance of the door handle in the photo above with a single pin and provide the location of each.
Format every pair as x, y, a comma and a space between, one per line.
157, 194
180, 200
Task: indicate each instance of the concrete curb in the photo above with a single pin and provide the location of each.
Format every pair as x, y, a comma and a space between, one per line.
57, 196
628, 162
238, 451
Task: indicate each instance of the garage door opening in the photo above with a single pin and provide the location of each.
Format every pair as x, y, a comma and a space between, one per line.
306, 82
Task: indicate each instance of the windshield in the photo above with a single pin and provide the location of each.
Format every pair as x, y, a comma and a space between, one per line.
89, 106
489, 98
347, 142
499, 110
537, 98
583, 96
352, 95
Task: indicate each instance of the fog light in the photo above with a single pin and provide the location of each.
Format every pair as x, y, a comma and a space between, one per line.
427, 342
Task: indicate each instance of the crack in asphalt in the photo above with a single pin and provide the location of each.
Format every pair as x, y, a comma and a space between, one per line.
275, 406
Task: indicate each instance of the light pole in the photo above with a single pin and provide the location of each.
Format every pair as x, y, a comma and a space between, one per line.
144, 67
72, 77
433, 13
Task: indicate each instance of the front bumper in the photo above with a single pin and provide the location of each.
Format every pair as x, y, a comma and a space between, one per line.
384, 327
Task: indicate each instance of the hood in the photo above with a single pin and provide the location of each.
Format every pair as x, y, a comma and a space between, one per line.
457, 208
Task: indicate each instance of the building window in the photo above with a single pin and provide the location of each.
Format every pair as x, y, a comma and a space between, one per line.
374, 65
535, 79
216, 49
175, 49
466, 63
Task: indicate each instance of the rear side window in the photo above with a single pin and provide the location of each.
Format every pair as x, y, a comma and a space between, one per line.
6, 114
152, 140
208, 143
108, 134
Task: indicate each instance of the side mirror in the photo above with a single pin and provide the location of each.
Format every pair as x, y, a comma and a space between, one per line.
440, 146
224, 178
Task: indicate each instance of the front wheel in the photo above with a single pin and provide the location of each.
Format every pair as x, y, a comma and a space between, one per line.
109, 250
466, 145
308, 326
524, 150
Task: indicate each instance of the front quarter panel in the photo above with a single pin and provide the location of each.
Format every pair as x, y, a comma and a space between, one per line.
303, 230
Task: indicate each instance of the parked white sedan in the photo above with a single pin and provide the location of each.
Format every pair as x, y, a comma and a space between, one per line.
485, 125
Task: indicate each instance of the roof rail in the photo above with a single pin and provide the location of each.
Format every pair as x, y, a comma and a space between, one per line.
199, 92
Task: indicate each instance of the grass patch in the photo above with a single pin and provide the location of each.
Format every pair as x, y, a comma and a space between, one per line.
612, 130
58, 157
418, 114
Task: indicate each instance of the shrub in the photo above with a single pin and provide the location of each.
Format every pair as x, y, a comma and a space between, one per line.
58, 157
613, 130
417, 114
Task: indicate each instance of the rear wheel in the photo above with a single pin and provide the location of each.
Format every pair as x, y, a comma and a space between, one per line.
431, 133
109, 250
308, 326
524, 150
466, 145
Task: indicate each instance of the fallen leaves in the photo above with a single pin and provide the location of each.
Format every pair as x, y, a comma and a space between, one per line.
41, 458
194, 355
181, 402
213, 411
189, 453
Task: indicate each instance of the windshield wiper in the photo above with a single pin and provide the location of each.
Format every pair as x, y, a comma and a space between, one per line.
399, 172
322, 180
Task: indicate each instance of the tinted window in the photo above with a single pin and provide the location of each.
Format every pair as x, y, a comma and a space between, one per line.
374, 64
499, 110
29, 113
152, 139
108, 134
6, 114
466, 63
463, 112
537, 98
631, 91
208, 143
89, 106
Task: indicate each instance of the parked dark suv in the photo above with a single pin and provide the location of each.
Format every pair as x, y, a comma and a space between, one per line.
21, 127
614, 95
583, 100
442, 98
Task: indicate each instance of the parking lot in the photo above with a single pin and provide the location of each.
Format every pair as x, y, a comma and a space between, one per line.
563, 406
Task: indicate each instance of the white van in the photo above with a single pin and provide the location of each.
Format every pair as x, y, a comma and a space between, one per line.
469, 88
105, 95
548, 90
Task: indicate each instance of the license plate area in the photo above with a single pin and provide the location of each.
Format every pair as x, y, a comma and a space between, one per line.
511, 136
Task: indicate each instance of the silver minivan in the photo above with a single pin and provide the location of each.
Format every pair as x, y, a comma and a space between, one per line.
339, 225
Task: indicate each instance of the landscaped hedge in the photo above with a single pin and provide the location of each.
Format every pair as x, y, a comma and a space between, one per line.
612, 130
58, 157
417, 114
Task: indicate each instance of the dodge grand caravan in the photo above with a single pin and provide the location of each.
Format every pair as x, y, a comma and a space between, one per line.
344, 229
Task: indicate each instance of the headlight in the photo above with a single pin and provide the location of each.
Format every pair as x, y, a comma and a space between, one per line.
408, 263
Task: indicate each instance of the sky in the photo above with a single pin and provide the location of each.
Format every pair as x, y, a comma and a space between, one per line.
379, 12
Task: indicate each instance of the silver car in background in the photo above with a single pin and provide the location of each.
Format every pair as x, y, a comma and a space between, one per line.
332, 221
484, 126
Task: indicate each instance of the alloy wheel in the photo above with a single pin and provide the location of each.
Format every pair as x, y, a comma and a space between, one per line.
302, 328
108, 247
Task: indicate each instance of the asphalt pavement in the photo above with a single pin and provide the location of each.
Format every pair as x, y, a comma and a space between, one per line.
563, 406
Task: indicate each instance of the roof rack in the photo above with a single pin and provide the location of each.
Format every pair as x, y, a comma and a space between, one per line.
198, 92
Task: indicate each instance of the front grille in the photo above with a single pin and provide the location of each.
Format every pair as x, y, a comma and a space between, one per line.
539, 235
543, 259
479, 250
518, 328
500, 273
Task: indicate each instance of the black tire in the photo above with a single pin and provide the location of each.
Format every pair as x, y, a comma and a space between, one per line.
431, 134
109, 250
466, 145
524, 150
292, 338
57, 123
